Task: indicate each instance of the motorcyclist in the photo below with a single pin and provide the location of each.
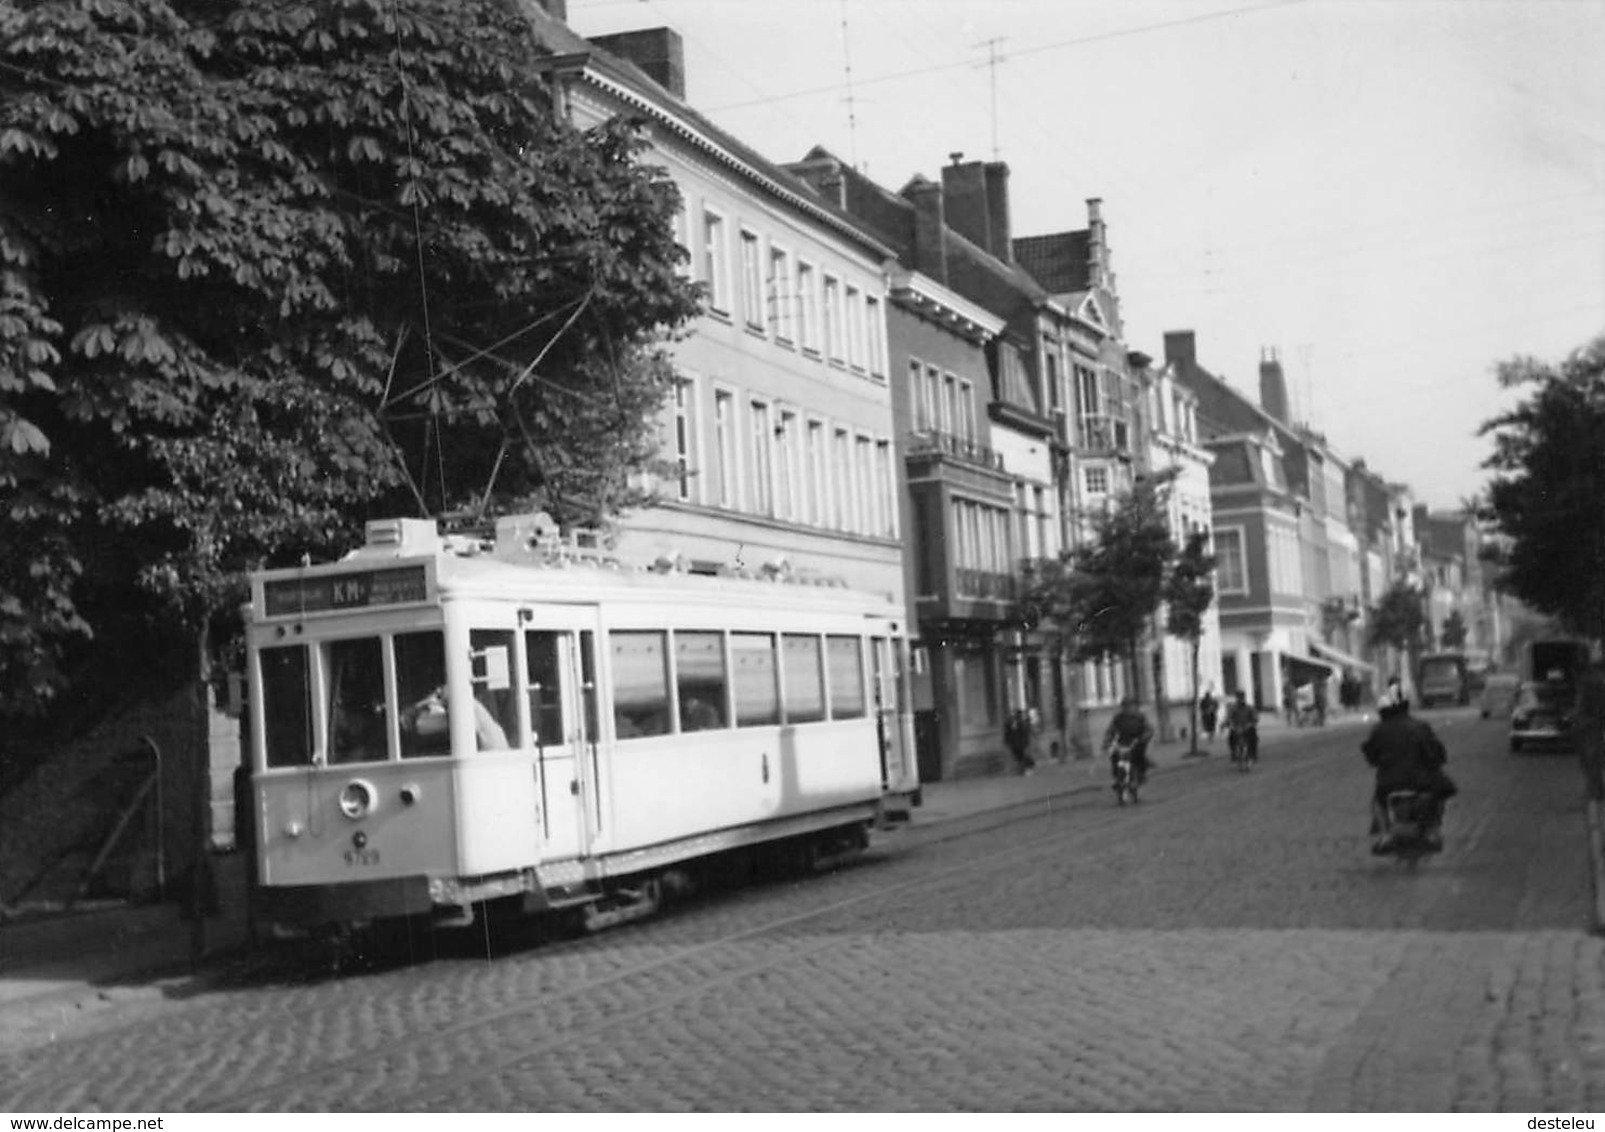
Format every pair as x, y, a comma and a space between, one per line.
1129, 727
1242, 727
1407, 755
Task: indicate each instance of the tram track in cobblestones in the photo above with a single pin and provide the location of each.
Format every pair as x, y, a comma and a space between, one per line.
434, 1082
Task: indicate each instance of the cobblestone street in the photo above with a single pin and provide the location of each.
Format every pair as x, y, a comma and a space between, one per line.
1228, 944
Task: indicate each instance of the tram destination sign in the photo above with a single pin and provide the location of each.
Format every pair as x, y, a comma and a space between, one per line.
400, 585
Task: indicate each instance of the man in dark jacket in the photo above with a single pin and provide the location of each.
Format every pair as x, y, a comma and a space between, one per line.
1130, 727
1407, 755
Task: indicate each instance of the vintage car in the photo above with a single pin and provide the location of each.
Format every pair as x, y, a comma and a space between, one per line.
1544, 715
1498, 697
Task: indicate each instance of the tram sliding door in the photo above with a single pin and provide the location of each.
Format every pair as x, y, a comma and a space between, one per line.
898, 768
562, 713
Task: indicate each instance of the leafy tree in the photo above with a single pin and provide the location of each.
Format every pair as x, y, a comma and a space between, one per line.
270, 266
1548, 462
1398, 620
1189, 592
1454, 632
1102, 597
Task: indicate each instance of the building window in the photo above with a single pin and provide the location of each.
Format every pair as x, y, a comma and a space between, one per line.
817, 485
886, 483
763, 460
952, 415
875, 323
834, 326
1231, 575
964, 424
843, 471
786, 490
715, 261
807, 308
855, 328
1097, 481
916, 392
752, 289
684, 394
780, 297
724, 428
866, 518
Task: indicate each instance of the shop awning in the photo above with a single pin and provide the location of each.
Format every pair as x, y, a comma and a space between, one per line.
1341, 657
1305, 668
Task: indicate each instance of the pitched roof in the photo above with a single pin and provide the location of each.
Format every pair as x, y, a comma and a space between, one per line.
1058, 261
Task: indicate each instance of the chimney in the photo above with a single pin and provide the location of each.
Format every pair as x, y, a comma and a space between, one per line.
997, 211
977, 203
657, 51
1272, 386
1180, 349
930, 225
1097, 246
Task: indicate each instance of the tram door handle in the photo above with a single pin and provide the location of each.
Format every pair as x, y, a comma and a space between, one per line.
766, 768
574, 787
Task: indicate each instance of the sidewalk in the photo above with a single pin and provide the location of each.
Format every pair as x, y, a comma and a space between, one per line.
76, 961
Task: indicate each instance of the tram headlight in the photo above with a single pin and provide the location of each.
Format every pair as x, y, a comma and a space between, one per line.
410, 793
358, 799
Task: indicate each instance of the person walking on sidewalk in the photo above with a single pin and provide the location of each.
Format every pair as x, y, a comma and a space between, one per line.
1208, 714
1017, 737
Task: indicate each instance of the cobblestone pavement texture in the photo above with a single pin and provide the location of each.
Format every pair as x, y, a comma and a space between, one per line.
1228, 944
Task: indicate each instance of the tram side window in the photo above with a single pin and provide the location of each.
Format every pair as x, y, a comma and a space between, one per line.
421, 687
752, 655
805, 686
699, 678
542, 671
640, 684
287, 706
495, 709
357, 723
844, 667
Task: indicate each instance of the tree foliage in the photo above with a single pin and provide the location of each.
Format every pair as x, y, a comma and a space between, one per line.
1102, 596
1454, 632
1398, 619
1544, 498
270, 266
1189, 592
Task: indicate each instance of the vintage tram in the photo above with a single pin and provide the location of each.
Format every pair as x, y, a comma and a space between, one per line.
439, 721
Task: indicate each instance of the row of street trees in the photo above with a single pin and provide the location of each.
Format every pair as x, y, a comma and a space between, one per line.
271, 267
1102, 599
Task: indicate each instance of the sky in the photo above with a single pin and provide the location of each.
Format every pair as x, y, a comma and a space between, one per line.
1394, 195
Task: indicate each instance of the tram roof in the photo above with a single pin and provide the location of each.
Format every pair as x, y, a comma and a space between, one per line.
524, 568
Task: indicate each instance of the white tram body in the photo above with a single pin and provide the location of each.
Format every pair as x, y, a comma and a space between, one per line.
436, 722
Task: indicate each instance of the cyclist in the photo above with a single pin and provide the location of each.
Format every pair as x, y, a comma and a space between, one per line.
1129, 728
1242, 729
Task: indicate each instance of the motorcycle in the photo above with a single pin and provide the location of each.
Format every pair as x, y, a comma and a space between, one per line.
1411, 822
1125, 770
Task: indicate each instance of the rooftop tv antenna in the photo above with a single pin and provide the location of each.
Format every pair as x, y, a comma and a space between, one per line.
847, 69
992, 61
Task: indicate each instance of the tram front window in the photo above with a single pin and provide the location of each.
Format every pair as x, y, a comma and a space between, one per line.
421, 688
357, 726
287, 706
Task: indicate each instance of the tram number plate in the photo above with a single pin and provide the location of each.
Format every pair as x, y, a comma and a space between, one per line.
360, 857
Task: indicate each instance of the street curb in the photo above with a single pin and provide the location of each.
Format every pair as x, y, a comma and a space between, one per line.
1596, 859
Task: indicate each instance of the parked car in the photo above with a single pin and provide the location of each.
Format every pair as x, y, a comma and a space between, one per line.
1543, 716
1499, 693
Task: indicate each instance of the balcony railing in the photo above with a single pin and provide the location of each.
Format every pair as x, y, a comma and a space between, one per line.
1098, 432
985, 586
926, 442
